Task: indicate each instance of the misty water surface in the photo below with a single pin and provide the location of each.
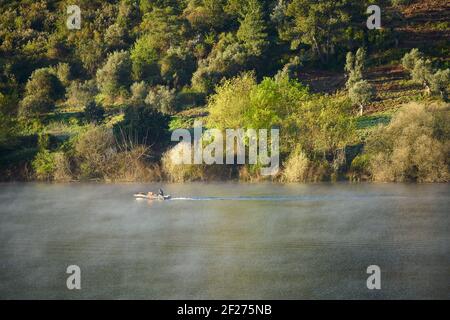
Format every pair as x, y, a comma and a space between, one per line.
220, 241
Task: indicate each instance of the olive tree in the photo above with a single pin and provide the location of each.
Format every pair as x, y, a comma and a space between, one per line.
115, 75
361, 93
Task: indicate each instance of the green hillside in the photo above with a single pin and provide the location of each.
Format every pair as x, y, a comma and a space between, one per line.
100, 102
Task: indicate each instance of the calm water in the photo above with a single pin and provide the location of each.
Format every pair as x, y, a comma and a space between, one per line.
220, 241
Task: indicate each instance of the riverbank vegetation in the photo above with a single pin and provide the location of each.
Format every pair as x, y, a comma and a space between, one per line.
100, 103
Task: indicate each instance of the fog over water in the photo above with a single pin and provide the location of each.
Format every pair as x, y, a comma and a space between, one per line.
225, 241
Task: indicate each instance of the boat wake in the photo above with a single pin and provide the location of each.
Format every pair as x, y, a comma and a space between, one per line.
247, 198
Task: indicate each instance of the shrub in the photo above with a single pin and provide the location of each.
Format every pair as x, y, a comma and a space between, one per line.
360, 167
63, 73
354, 67
143, 125
43, 83
81, 93
177, 172
62, 168
130, 165
41, 91
139, 92
439, 83
409, 59
94, 149
162, 99
115, 75
94, 113
144, 59
35, 105
361, 93
296, 167
411, 147
44, 165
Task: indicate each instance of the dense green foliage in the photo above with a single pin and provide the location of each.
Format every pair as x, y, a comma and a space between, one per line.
108, 93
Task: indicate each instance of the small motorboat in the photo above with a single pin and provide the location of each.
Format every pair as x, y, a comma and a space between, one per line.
142, 195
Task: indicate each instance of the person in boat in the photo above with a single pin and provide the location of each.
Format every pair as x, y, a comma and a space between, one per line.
152, 194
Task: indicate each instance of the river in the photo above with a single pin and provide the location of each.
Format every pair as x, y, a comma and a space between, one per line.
225, 241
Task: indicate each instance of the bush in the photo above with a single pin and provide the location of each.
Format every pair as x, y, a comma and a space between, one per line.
412, 147
139, 92
94, 113
145, 60
296, 167
41, 91
162, 99
94, 151
62, 169
81, 93
177, 172
439, 83
44, 165
360, 167
63, 73
421, 72
115, 76
409, 59
131, 165
361, 93
43, 83
35, 105
143, 125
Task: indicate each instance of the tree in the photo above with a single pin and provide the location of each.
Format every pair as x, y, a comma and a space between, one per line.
409, 59
439, 83
322, 25
41, 91
43, 82
361, 93
80, 93
144, 59
177, 67
35, 105
232, 99
354, 66
139, 91
422, 74
143, 125
204, 15
94, 113
162, 99
227, 58
252, 28
63, 73
115, 75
